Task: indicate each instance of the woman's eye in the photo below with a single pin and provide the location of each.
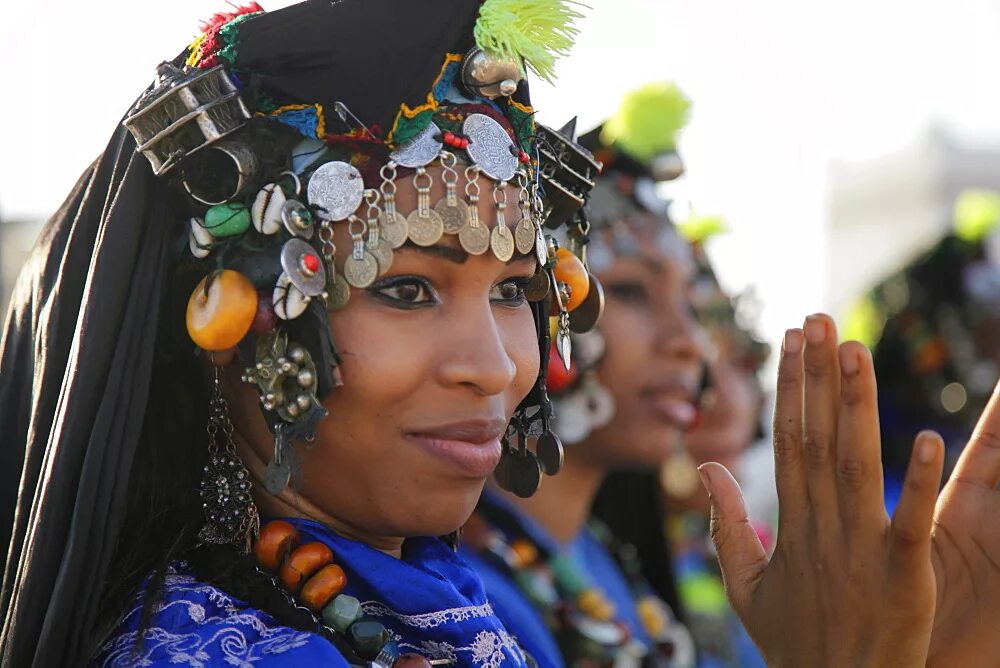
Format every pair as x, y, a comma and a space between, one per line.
406, 291
510, 291
628, 292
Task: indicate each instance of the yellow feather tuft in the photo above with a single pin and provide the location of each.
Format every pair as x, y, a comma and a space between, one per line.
648, 121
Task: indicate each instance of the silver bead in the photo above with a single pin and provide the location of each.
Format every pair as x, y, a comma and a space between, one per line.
303, 401
305, 378
293, 410
297, 354
508, 87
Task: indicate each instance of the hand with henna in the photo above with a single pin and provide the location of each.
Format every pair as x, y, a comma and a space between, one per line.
846, 586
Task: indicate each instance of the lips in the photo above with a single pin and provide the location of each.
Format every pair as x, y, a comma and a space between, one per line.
673, 402
471, 446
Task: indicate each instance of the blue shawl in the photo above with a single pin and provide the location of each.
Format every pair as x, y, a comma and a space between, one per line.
430, 600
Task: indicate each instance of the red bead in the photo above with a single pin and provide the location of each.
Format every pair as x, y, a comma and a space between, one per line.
524, 157
449, 137
558, 379
310, 262
465, 142
265, 319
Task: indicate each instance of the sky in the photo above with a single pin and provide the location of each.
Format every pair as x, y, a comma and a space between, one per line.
780, 88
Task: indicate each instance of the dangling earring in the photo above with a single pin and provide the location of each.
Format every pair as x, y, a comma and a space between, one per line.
230, 514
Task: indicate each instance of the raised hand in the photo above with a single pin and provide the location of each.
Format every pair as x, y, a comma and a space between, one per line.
966, 554
845, 586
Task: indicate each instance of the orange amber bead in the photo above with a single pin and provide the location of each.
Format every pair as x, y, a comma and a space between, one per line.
570, 270
219, 318
276, 540
525, 551
323, 586
302, 563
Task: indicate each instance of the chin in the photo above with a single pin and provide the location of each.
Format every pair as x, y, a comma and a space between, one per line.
446, 510
652, 445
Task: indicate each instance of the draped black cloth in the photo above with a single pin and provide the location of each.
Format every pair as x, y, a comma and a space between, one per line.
76, 354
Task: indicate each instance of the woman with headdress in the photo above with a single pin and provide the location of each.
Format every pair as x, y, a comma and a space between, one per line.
270, 348
566, 584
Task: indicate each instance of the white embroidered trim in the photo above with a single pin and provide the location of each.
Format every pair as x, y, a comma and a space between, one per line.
488, 650
429, 620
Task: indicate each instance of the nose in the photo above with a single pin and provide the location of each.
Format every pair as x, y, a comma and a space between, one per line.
474, 354
678, 333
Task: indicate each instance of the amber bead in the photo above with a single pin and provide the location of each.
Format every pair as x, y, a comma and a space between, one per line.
220, 315
302, 563
411, 661
320, 589
276, 540
570, 270
526, 552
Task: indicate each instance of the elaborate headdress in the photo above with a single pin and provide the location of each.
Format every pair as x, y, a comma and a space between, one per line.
277, 127
637, 150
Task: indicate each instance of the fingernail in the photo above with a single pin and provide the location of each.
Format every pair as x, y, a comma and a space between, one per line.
926, 448
792, 343
815, 329
706, 478
849, 364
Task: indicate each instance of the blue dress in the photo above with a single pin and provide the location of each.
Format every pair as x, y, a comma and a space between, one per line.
523, 619
431, 602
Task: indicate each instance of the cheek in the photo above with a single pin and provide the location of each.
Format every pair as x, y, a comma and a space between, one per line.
520, 340
628, 339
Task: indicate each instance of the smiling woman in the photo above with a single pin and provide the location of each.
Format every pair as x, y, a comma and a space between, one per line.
286, 327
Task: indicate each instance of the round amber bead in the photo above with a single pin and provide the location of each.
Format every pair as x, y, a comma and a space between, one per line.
570, 270
302, 563
526, 552
320, 589
219, 316
276, 540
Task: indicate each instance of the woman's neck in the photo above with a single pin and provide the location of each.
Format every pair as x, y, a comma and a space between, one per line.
562, 504
289, 503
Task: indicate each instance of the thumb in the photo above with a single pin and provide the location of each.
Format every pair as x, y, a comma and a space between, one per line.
741, 555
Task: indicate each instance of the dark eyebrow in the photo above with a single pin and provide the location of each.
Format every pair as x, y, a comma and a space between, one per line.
457, 255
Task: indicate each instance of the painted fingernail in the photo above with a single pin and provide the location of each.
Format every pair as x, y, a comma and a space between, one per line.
706, 478
848, 362
792, 343
815, 329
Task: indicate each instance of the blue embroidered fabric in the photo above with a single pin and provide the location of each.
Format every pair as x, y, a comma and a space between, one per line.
431, 602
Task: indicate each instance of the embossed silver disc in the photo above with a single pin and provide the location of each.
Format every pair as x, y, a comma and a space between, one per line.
425, 230
502, 243
294, 256
490, 147
277, 476
550, 453
383, 255
336, 190
421, 150
538, 286
361, 273
297, 218
524, 236
525, 474
455, 216
393, 229
585, 316
338, 291
475, 240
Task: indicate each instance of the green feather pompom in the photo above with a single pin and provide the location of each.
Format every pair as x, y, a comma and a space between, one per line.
648, 121
977, 213
536, 31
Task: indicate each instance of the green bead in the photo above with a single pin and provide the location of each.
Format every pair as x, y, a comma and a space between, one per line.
567, 575
367, 637
341, 612
227, 220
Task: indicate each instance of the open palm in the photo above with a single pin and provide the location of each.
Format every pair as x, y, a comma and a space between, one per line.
966, 554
